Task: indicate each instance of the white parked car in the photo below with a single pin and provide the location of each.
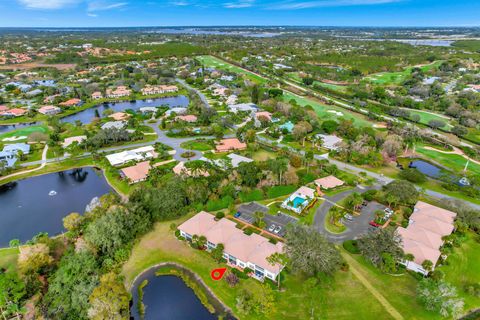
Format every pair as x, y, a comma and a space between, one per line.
271, 228
277, 229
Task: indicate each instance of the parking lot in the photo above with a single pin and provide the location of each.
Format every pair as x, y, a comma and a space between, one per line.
275, 224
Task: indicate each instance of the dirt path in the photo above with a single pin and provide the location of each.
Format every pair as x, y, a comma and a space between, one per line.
42, 165
383, 301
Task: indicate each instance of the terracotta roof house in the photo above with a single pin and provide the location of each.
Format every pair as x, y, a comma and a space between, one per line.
15, 112
329, 182
187, 118
230, 145
180, 169
68, 141
97, 95
149, 90
121, 91
264, 114
136, 173
49, 110
240, 250
3, 109
71, 103
119, 116
423, 237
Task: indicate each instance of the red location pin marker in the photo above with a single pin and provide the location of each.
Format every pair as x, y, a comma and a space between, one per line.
217, 274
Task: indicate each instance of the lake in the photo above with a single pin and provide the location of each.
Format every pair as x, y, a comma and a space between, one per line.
167, 297
426, 168
87, 115
27, 208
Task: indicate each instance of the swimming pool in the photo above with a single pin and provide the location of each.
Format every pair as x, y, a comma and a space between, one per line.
297, 202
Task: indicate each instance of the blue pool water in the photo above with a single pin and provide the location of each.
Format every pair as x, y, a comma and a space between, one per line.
297, 202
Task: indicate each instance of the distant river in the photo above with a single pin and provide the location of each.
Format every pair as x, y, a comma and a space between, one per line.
26, 208
87, 115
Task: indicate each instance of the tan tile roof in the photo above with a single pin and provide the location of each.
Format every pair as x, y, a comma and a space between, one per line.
253, 248
306, 191
230, 144
137, 172
423, 236
329, 182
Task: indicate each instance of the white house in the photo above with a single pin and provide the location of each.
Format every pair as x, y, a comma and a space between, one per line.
330, 142
139, 154
243, 107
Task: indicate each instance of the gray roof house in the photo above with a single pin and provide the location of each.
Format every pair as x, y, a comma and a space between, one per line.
114, 125
9, 155
246, 107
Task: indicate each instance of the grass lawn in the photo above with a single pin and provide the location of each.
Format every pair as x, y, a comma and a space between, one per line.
23, 132
463, 266
53, 167
400, 290
325, 112
263, 155
307, 217
326, 300
295, 77
333, 227
426, 116
400, 76
454, 162
8, 258
210, 61
199, 145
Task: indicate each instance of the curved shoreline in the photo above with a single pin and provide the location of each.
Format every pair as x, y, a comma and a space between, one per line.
211, 295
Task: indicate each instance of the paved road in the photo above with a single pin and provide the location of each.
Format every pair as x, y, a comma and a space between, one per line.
382, 179
359, 226
200, 94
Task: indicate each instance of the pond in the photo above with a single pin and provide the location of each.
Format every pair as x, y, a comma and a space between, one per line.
38, 204
11, 127
87, 115
168, 297
426, 168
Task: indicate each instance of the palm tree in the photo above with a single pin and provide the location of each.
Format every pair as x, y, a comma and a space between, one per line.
427, 265
259, 219
409, 257
202, 241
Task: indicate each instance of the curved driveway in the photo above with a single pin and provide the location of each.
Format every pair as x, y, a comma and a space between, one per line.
359, 226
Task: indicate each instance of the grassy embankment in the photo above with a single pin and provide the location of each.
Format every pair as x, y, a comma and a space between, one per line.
340, 297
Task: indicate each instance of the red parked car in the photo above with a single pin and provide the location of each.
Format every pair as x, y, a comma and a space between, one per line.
373, 223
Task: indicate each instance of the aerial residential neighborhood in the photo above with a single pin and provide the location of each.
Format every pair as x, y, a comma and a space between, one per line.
268, 160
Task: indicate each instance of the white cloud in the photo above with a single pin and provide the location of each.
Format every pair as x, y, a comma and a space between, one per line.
104, 5
93, 15
48, 4
239, 4
286, 5
180, 3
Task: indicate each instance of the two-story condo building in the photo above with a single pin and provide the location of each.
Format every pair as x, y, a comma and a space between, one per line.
240, 250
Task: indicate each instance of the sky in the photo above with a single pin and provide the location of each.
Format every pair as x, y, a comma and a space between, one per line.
130, 13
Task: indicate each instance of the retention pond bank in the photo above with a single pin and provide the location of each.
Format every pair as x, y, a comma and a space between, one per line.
162, 292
